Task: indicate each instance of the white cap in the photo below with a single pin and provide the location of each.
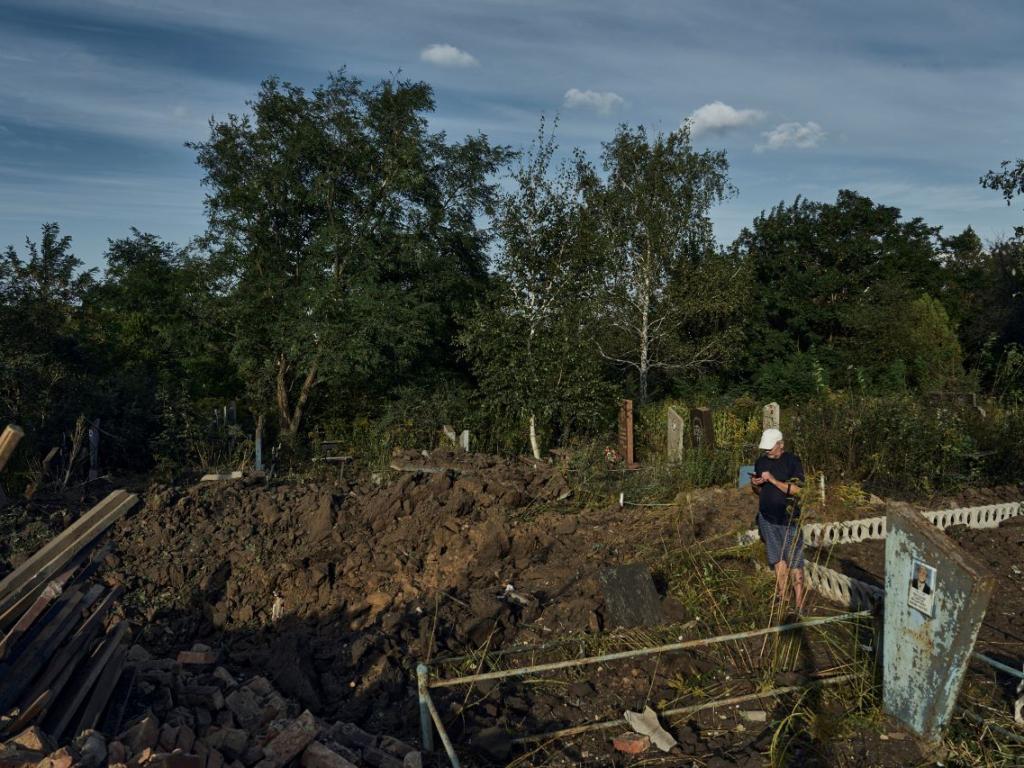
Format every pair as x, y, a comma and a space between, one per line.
769, 438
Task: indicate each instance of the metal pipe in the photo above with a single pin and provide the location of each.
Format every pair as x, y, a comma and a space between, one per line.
976, 718
682, 710
999, 665
645, 651
452, 757
426, 730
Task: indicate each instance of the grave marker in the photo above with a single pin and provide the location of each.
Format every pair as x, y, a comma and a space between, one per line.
676, 428
771, 416
626, 433
935, 599
464, 440
702, 428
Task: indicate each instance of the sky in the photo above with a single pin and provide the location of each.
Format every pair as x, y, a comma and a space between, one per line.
906, 102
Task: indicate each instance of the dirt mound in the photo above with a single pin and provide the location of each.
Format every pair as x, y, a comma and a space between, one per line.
337, 590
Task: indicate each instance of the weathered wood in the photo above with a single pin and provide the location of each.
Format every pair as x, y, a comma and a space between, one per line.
40, 568
16, 677
101, 692
51, 592
72, 651
81, 683
222, 476
113, 718
30, 597
9, 440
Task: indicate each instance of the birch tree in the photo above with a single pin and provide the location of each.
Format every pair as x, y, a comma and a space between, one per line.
654, 212
529, 344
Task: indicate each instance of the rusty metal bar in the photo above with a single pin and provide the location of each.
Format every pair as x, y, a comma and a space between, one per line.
564, 732
426, 730
550, 667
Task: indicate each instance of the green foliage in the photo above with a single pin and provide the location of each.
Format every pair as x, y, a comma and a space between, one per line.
667, 299
344, 237
1009, 181
530, 343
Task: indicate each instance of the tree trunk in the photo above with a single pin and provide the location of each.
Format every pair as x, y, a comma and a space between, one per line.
291, 417
534, 444
645, 341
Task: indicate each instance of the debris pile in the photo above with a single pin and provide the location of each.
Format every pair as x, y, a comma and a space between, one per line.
194, 714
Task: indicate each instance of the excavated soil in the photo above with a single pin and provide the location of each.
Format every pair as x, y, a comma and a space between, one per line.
335, 592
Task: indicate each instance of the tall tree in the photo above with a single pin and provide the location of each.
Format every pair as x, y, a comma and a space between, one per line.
345, 236
823, 275
45, 364
528, 343
654, 210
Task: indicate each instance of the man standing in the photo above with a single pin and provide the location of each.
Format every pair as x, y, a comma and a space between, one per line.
777, 479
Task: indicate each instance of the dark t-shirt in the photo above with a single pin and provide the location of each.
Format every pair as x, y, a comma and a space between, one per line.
774, 505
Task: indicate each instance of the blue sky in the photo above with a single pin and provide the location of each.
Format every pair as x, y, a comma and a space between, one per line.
906, 102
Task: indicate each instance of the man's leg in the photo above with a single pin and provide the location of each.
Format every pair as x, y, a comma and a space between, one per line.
798, 587
781, 579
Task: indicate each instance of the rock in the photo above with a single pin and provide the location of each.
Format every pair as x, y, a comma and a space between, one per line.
214, 759
176, 760
225, 677
378, 758
413, 759
754, 715
92, 748
295, 737
15, 757
116, 752
143, 735
395, 746
260, 686
141, 758
319, 756
186, 739
351, 735
246, 707
35, 740
494, 742
231, 741
137, 654
168, 738
631, 743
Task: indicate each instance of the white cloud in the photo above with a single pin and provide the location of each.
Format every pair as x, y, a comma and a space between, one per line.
800, 135
445, 55
600, 101
719, 117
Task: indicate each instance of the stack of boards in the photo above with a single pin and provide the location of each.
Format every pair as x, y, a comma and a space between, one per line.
62, 654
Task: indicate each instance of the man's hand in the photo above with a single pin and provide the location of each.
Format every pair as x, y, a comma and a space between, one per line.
767, 477
758, 481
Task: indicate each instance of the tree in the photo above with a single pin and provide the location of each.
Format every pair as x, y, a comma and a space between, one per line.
46, 362
824, 276
344, 235
528, 344
654, 213
1009, 181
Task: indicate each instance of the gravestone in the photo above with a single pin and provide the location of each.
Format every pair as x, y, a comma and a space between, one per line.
464, 440
630, 599
771, 416
626, 433
675, 428
935, 599
702, 428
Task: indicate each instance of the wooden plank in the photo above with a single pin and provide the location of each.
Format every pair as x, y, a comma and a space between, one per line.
78, 642
32, 660
101, 692
60, 717
9, 440
24, 572
236, 475
55, 555
113, 718
23, 632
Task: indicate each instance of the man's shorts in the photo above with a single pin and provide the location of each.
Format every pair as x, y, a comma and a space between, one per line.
782, 542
